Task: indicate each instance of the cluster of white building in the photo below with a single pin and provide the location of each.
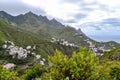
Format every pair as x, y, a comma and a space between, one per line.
91, 46
63, 42
16, 51
20, 53
97, 49
42, 60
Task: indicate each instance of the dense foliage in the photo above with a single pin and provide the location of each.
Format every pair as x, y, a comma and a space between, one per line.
80, 66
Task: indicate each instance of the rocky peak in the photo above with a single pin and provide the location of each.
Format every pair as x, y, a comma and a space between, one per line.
4, 14
54, 22
80, 31
30, 14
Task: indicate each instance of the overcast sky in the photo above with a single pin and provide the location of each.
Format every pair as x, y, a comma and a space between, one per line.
94, 17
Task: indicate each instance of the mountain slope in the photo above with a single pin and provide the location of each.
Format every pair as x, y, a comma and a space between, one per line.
53, 29
24, 38
21, 37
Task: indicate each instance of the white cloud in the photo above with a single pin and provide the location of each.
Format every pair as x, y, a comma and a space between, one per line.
69, 11
102, 28
56, 8
95, 11
110, 3
89, 1
66, 10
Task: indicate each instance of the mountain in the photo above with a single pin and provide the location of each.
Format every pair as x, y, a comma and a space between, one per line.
41, 25
29, 17
25, 38
17, 35
21, 40
29, 30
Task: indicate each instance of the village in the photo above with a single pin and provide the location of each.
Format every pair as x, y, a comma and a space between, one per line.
98, 51
20, 53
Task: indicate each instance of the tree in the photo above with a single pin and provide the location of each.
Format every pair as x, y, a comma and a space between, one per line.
81, 66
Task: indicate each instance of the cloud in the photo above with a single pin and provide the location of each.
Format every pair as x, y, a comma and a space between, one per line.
75, 19
56, 8
95, 17
71, 12
70, 21
16, 7
109, 3
80, 16
112, 21
106, 27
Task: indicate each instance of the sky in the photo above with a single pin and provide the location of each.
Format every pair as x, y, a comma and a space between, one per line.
96, 18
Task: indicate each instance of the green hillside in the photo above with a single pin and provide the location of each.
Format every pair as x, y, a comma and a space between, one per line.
25, 38
19, 36
41, 25
112, 55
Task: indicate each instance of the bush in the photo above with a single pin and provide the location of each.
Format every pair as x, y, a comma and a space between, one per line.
6, 74
34, 72
115, 73
81, 66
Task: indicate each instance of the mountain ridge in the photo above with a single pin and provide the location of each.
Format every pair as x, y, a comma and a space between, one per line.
52, 28
14, 19
24, 38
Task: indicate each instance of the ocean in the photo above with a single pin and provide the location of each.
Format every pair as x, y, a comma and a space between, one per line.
103, 38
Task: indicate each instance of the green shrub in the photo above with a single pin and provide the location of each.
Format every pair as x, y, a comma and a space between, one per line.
115, 73
6, 74
34, 72
81, 66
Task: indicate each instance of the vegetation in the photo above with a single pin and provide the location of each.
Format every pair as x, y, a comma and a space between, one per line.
112, 55
115, 73
34, 72
81, 65
6, 74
